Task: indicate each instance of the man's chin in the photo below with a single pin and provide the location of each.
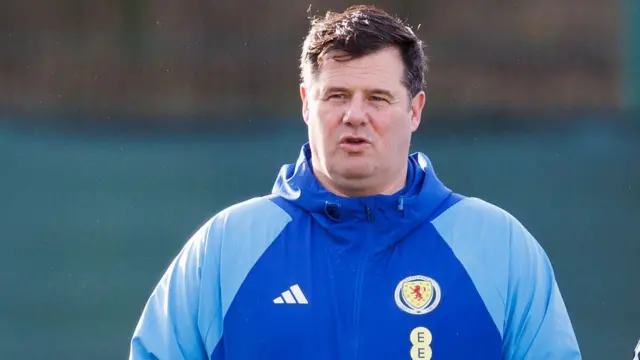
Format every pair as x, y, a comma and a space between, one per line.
357, 172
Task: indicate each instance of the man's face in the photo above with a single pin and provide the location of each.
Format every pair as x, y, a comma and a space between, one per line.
360, 119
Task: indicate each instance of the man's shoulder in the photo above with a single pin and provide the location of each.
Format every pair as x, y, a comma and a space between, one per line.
480, 226
484, 224
471, 212
257, 215
251, 211
243, 232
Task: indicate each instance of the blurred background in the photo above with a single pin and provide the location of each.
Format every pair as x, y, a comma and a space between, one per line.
125, 125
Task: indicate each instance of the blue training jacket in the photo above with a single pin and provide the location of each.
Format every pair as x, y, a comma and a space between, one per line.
305, 274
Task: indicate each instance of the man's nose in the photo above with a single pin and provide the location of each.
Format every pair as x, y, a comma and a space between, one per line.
356, 113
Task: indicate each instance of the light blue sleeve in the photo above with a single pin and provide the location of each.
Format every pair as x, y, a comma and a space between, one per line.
183, 318
179, 312
514, 278
537, 325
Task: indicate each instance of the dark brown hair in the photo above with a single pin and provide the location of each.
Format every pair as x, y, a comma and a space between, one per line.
361, 30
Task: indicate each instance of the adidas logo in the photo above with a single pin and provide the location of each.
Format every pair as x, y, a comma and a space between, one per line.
292, 296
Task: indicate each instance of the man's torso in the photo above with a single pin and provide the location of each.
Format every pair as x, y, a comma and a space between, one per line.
309, 296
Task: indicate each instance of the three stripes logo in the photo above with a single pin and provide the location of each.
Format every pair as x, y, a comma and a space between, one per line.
292, 296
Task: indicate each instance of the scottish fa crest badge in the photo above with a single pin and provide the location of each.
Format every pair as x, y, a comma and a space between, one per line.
417, 295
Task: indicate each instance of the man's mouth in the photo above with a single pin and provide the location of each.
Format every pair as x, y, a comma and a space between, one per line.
354, 140
354, 144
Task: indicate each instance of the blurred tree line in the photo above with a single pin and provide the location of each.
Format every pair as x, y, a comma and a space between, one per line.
207, 59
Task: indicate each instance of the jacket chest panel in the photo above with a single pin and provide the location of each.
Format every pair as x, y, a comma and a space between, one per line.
329, 302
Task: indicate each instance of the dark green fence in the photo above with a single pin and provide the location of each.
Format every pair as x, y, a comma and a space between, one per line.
89, 223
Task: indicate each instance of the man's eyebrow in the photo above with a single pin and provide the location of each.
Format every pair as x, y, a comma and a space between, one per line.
334, 89
381, 92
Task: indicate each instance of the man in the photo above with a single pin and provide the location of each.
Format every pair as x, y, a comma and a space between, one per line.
360, 252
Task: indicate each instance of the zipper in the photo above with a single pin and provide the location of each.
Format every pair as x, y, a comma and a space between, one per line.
367, 210
356, 307
357, 295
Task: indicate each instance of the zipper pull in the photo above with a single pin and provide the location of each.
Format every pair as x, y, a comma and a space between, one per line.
369, 214
401, 206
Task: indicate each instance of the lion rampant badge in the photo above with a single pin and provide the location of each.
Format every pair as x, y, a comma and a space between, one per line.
418, 295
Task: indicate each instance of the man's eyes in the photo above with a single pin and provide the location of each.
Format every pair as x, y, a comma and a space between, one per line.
373, 98
377, 98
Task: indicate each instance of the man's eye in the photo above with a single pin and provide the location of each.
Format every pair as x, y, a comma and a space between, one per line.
378, 99
337, 96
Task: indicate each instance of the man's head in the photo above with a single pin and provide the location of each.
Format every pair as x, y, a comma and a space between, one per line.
362, 76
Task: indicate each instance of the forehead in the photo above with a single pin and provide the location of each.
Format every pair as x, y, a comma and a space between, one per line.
382, 69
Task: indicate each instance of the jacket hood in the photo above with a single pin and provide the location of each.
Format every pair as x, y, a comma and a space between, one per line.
373, 222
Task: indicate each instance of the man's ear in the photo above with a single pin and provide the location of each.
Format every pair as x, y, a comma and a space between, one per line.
417, 104
304, 96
